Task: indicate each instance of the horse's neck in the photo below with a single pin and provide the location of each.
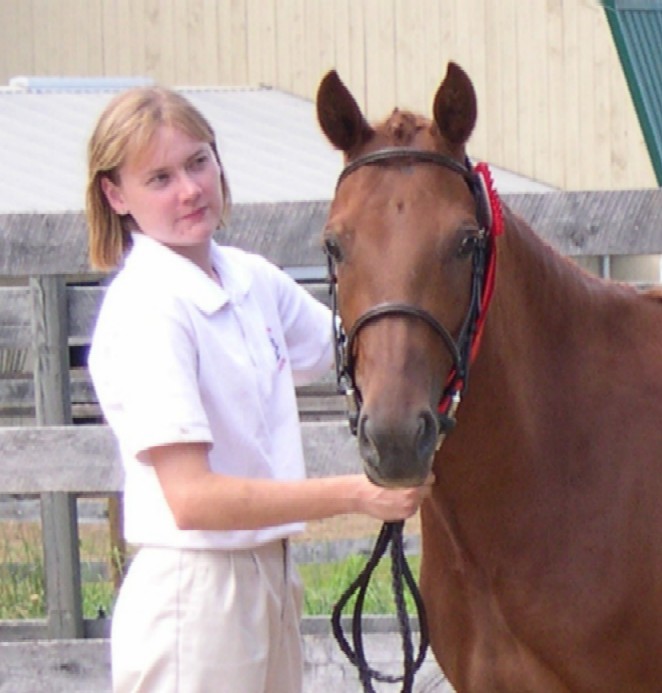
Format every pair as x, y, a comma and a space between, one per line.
488, 464
542, 316
550, 329
568, 375
542, 299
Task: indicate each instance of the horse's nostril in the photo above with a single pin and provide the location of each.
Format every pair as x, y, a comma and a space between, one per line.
365, 437
426, 438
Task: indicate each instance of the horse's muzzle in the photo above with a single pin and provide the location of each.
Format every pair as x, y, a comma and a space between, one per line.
398, 455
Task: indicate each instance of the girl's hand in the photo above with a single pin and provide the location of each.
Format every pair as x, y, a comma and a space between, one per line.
391, 504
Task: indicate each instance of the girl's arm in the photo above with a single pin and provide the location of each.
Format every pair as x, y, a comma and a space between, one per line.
201, 499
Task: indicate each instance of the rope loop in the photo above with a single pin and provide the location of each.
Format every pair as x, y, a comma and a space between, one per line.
401, 575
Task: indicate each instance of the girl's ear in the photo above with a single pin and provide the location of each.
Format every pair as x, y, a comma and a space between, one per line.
114, 196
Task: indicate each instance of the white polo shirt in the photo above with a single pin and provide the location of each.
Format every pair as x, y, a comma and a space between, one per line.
176, 358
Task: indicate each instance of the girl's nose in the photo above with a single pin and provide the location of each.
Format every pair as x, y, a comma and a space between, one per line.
189, 186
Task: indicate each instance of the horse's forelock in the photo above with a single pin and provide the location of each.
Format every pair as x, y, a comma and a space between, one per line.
401, 127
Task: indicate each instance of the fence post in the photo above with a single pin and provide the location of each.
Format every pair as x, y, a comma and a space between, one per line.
59, 517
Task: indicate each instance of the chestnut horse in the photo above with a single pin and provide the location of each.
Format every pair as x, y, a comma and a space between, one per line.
542, 539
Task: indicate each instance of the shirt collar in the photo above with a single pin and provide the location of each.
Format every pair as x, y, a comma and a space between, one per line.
161, 264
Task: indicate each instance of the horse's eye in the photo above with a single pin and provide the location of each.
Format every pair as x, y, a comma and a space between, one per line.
332, 249
468, 245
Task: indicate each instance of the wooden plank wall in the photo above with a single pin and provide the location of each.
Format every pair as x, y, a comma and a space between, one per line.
554, 103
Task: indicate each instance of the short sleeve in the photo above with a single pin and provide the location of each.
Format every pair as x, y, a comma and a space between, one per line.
144, 367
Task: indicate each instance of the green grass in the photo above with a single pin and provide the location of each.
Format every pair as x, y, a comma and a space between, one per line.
22, 593
22, 588
22, 579
326, 582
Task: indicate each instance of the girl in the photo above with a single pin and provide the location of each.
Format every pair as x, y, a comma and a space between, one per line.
194, 359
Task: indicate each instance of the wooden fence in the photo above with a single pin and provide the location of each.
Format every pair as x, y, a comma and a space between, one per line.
48, 316
61, 462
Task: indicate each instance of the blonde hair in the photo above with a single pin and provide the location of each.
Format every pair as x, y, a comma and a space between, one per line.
127, 125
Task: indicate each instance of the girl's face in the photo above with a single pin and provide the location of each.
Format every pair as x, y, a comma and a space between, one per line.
172, 190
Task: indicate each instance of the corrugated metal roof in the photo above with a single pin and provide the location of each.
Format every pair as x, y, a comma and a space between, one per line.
637, 29
269, 140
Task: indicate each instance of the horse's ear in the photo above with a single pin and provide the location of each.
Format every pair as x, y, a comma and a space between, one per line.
455, 110
339, 115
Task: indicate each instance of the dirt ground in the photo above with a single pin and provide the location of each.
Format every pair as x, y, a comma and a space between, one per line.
351, 527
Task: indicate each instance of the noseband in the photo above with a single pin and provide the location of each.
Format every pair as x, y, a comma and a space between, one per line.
462, 347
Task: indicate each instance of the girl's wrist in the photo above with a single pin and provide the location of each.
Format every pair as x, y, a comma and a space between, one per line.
352, 493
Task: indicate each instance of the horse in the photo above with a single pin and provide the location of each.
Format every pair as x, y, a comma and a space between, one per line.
529, 387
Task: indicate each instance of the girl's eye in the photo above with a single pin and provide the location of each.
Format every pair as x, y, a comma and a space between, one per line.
332, 249
158, 179
199, 162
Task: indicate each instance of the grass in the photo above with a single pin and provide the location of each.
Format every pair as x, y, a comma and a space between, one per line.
22, 579
22, 593
326, 582
22, 588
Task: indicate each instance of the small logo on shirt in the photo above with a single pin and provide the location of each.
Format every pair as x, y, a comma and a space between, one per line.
280, 358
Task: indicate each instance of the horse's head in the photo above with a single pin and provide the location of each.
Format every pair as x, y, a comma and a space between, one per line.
402, 235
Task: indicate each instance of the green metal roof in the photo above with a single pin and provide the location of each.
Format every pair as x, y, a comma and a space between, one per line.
636, 26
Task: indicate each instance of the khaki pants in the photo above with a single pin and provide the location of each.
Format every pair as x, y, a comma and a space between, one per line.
190, 621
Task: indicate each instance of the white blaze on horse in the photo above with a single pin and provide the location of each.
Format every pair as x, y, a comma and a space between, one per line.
542, 542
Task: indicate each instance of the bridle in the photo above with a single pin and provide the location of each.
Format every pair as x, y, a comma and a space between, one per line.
462, 347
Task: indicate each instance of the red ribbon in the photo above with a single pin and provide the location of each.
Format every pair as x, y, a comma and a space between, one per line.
496, 229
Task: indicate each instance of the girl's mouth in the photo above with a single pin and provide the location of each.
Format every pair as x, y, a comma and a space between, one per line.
196, 215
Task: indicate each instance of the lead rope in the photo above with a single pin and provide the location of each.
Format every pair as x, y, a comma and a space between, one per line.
391, 532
